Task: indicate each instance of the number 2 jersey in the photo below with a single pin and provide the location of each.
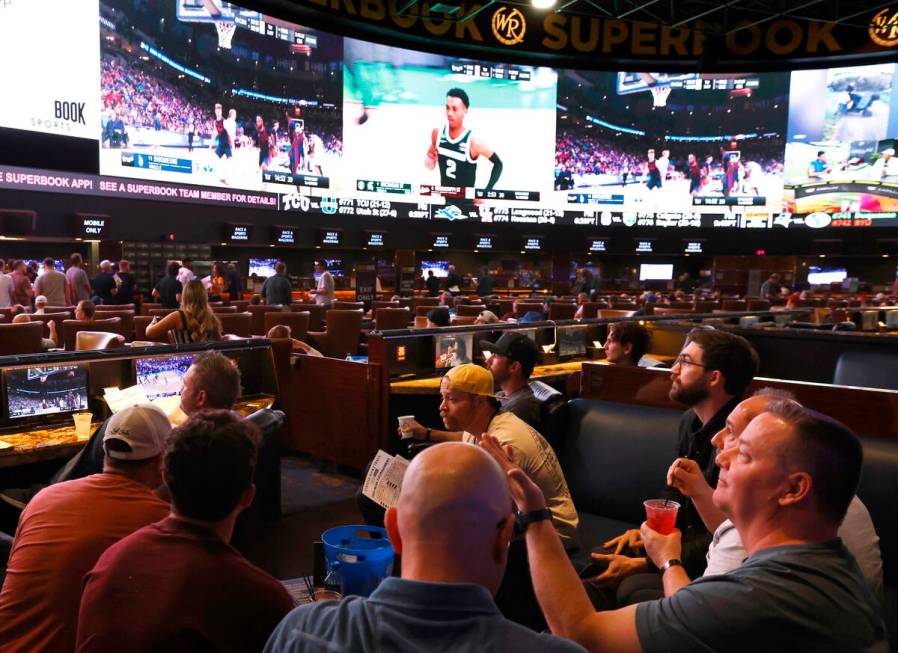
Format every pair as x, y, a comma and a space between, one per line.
457, 168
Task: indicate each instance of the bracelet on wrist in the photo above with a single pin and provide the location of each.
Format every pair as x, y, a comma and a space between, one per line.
673, 562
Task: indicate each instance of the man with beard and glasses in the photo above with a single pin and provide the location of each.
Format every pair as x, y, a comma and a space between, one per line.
710, 376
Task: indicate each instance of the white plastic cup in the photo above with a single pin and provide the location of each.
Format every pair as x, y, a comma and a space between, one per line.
82, 424
405, 423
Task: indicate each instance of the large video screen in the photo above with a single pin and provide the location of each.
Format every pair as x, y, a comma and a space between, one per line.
232, 98
416, 124
206, 101
49, 73
840, 153
657, 142
46, 390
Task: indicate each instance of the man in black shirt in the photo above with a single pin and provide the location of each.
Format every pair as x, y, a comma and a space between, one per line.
103, 284
235, 283
277, 289
124, 284
432, 284
710, 375
168, 291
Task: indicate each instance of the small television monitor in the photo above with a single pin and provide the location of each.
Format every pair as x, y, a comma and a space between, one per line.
284, 235
645, 245
818, 276
238, 233
375, 238
46, 389
570, 341
655, 271
330, 237
598, 245
441, 241
692, 246
38, 264
335, 266
452, 350
484, 242
533, 243
162, 376
440, 268
262, 267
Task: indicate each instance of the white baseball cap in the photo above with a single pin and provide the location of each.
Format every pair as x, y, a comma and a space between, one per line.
40, 299
140, 432
888, 152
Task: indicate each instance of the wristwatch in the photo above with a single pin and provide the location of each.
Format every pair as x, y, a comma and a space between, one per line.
673, 562
524, 519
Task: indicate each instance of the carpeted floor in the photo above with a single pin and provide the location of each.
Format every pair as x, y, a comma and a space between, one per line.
311, 501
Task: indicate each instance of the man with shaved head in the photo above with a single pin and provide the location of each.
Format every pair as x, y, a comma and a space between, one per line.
451, 525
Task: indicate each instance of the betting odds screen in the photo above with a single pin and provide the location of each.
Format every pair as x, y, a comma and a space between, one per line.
206, 101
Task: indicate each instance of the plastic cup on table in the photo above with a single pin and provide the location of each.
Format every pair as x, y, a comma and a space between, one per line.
661, 515
82, 424
326, 595
405, 423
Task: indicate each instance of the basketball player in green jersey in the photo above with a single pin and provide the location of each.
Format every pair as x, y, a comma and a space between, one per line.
456, 150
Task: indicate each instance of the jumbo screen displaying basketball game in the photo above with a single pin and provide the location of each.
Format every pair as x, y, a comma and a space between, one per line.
445, 130
658, 142
840, 153
162, 376
209, 93
45, 390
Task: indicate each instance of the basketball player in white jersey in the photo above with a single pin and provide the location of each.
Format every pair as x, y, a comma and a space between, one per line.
455, 149
314, 154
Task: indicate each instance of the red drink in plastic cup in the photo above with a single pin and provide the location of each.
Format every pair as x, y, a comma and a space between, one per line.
661, 515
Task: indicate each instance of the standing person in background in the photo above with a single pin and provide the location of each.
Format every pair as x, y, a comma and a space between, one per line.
79, 284
216, 283
485, 283
124, 284
432, 283
52, 285
771, 287
234, 283
185, 272
5, 287
168, 291
324, 291
277, 289
453, 281
104, 283
22, 292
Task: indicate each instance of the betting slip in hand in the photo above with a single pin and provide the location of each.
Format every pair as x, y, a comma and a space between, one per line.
384, 479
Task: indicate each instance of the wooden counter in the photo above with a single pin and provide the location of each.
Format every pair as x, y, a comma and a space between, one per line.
37, 445
431, 385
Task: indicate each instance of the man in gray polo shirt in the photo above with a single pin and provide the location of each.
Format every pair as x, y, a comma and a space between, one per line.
452, 526
786, 487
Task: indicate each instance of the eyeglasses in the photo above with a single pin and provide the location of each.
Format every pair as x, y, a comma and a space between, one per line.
681, 360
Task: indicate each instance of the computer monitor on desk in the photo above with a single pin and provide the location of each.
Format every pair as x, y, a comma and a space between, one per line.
45, 390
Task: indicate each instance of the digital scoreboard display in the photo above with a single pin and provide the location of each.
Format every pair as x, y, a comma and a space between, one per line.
380, 132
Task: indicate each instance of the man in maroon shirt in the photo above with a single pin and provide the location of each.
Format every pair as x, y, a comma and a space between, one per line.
178, 585
22, 291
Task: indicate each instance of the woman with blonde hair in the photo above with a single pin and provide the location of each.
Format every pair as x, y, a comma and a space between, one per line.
193, 322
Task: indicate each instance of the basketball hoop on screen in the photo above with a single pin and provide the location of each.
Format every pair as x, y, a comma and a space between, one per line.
659, 95
225, 29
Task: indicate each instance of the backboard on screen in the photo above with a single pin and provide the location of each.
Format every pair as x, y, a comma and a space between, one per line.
650, 142
206, 92
44, 390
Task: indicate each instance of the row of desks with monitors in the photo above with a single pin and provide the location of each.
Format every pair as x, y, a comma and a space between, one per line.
41, 393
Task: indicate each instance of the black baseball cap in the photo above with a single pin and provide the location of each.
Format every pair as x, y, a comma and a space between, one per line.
517, 346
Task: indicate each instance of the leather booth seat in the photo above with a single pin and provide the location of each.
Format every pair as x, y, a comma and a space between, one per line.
867, 370
615, 456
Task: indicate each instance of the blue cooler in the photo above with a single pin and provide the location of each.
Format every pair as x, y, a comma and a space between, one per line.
364, 553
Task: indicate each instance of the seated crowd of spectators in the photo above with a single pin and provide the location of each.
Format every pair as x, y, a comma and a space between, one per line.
127, 549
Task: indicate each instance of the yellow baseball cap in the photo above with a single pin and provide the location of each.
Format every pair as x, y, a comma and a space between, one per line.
470, 378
